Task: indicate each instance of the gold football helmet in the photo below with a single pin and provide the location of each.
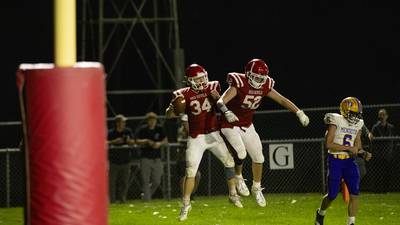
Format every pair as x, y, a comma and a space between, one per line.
351, 109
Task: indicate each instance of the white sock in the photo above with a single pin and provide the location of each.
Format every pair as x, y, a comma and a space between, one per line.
321, 212
352, 220
256, 184
239, 176
232, 190
186, 201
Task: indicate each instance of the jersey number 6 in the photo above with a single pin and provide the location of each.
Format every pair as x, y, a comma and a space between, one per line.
346, 140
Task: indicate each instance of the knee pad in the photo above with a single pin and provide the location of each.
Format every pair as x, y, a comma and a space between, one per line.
190, 172
229, 161
229, 173
241, 153
258, 158
354, 189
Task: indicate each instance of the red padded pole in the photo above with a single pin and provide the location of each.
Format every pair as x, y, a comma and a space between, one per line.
66, 143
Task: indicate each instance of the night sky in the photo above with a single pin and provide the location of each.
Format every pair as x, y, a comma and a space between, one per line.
318, 51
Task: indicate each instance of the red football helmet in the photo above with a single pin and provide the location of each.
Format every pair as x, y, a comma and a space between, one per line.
256, 72
196, 77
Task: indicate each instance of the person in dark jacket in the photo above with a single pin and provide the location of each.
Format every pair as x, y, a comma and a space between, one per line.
119, 159
151, 137
383, 152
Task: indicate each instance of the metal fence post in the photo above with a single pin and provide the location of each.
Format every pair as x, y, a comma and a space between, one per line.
168, 173
209, 172
323, 167
7, 178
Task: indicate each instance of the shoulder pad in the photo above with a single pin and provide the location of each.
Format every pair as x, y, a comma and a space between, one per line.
214, 85
360, 124
331, 118
178, 92
235, 80
270, 83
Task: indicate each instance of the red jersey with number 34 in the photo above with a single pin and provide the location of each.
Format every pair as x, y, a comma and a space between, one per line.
200, 108
246, 100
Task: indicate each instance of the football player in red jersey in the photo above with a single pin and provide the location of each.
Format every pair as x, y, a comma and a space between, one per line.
200, 98
238, 104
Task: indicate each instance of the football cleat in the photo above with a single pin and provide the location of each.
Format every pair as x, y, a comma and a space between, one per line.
319, 220
184, 212
257, 192
241, 187
235, 199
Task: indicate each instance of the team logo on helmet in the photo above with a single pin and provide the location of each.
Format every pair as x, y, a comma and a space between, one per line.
351, 109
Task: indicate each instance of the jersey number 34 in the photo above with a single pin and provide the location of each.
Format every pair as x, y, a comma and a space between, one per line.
197, 107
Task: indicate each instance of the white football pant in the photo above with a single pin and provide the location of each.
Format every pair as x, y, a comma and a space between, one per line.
245, 139
198, 145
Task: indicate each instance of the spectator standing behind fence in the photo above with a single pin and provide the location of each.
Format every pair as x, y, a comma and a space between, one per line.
383, 152
119, 158
183, 133
151, 137
364, 154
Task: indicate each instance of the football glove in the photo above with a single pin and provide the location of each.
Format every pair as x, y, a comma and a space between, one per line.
303, 118
230, 116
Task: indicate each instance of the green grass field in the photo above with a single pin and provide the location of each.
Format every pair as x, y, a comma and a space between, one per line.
281, 209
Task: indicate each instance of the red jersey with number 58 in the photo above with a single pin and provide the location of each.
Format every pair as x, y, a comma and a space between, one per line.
200, 108
246, 100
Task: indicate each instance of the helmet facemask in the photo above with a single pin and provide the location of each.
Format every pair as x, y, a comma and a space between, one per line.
256, 80
199, 82
353, 117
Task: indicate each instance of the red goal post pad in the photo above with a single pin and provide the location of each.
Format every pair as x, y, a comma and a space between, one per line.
64, 118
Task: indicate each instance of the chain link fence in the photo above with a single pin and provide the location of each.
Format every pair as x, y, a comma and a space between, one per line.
12, 177
295, 158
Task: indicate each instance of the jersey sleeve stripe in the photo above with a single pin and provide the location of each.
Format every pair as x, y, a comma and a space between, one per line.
178, 93
216, 84
211, 85
241, 82
236, 79
271, 83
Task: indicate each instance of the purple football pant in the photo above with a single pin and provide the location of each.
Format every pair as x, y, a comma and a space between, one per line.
346, 169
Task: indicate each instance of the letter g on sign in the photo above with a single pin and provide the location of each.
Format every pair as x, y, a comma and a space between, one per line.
281, 156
